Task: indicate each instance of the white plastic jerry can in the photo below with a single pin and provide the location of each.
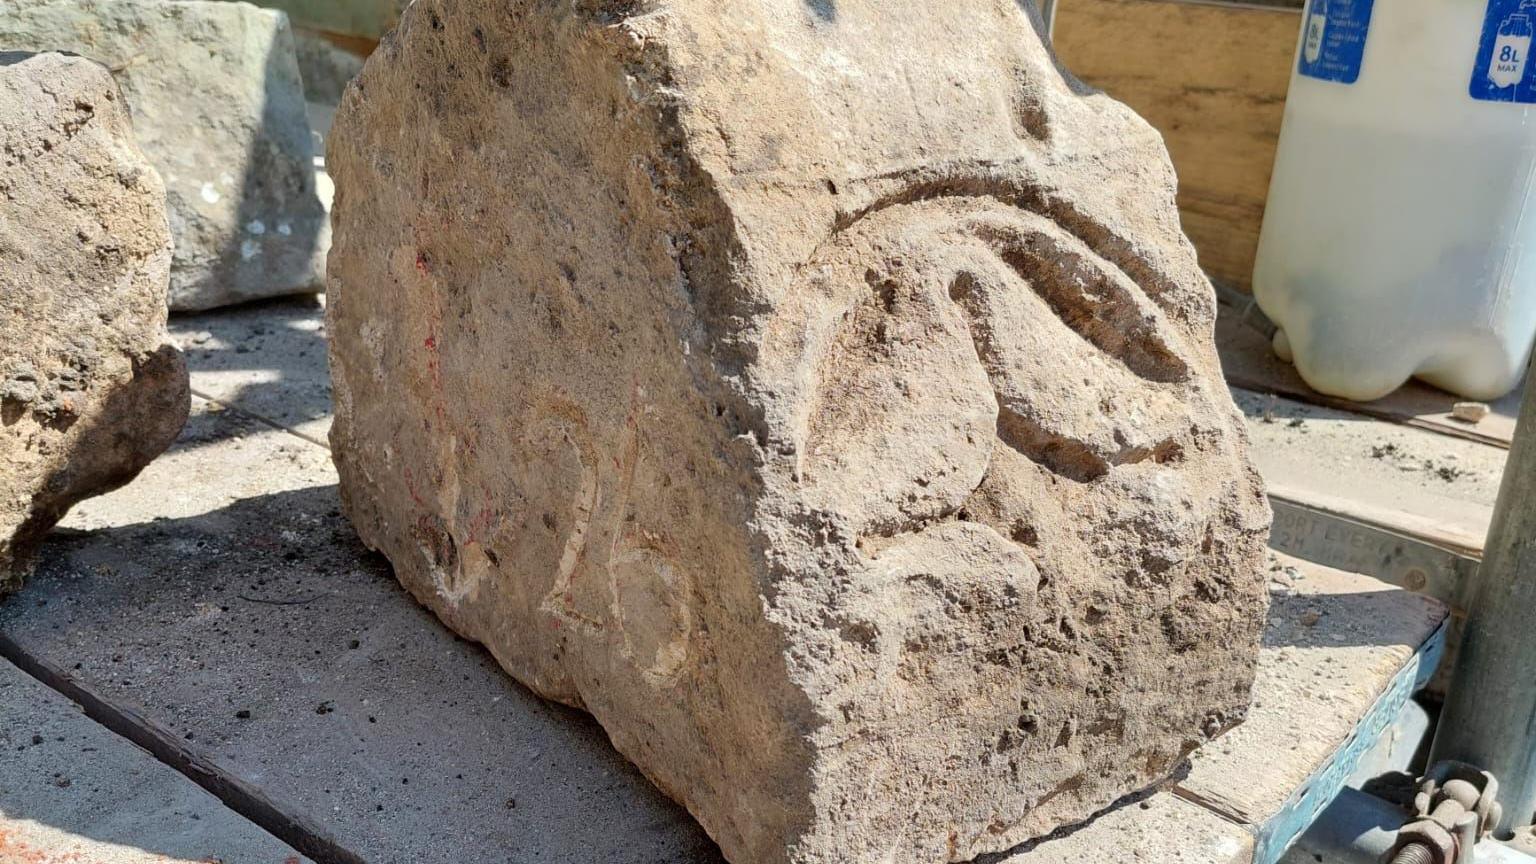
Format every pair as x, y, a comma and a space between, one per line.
1400, 235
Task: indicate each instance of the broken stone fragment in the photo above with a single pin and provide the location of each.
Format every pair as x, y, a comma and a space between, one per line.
822, 394
219, 109
1470, 412
90, 388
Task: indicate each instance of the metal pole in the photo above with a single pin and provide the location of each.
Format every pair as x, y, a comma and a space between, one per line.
1490, 713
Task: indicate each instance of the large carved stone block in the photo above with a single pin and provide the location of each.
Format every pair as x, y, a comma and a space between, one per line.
822, 394
90, 388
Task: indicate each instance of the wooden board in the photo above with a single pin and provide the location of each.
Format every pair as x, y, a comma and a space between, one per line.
1342, 653
1212, 78
1248, 362
1404, 479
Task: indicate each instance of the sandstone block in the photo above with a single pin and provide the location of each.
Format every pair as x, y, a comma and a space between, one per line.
90, 388
325, 68
219, 109
822, 394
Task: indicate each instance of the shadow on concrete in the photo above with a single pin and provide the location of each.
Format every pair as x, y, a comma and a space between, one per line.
266, 358
1360, 619
824, 10
265, 633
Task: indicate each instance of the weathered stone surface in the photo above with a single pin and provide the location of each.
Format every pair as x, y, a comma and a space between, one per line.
219, 109
822, 394
90, 388
325, 68
360, 19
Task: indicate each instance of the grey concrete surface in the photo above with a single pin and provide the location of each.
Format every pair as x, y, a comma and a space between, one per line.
265, 358
223, 591
70, 791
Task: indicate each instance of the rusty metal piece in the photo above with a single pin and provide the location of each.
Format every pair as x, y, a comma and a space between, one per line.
1426, 841
1456, 805
1414, 853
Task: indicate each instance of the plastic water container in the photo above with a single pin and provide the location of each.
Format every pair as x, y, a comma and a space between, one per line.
1399, 239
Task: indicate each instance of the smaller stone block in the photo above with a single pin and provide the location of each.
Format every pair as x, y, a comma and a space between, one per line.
90, 388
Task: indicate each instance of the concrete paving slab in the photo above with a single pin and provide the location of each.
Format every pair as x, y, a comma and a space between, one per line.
70, 791
267, 359
223, 592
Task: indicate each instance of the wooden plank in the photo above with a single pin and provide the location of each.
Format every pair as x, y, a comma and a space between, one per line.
1161, 829
1342, 652
1304, 805
1212, 78
1412, 563
1414, 517
1408, 481
1318, 533
1248, 362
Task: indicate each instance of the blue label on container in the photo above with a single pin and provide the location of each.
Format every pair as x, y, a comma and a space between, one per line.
1502, 72
1333, 39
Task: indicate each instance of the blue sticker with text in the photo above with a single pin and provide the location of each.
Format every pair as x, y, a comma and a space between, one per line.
1333, 39
1502, 72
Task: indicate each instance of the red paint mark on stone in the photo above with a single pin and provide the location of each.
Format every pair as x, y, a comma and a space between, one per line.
431, 343
410, 486
481, 525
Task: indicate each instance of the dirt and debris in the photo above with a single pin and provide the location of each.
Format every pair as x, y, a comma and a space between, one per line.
1375, 466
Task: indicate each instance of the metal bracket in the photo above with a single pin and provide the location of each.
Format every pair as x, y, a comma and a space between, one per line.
1456, 805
